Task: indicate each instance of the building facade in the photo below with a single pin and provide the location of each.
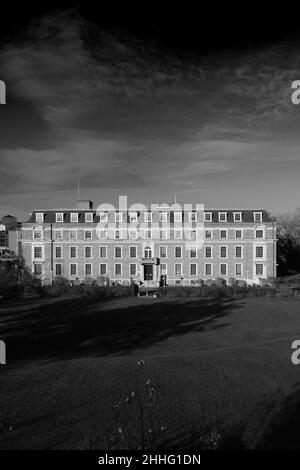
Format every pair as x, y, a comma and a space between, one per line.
165, 243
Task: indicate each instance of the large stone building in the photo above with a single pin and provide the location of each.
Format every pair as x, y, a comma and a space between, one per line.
170, 243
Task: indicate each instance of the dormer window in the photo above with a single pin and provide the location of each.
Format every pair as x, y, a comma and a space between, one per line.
257, 217
59, 217
222, 216
89, 217
103, 217
74, 217
237, 217
39, 217
177, 217
132, 217
207, 217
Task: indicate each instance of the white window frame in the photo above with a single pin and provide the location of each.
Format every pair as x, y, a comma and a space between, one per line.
86, 231
119, 264
240, 214
264, 269
196, 273
148, 216
177, 231
211, 269
242, 269
178, 264
74, 231
102, 231
260, 217
61, 248
238, 230
118, 257
39, 217
207, 216
135, 247
61, 266
88, 257
74, 217
133, 217
103, 217
133, 231
166, 248
76, 250
163, 217
42, 252
226, 248
178, 217
223, 230
242, 252
103, 264
193, 248
178, 257
59, 217
261, 229
208, 231
220, 214
220, 269
58, 231
37, 230
89, 217
75, 264
105, 248
211, 250
88, 264
119, 217
135, 265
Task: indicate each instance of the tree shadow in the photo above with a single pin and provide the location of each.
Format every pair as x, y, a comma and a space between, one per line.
78, 328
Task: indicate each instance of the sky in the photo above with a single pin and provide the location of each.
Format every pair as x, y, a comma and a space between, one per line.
147, 108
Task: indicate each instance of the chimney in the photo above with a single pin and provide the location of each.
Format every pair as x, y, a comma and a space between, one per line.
84, 204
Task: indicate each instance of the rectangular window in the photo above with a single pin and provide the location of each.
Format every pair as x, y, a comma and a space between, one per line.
259, 252
238, 251
177, 217
259, 233
208, 234
58, 270
223, 251
119, 217
103, 217
207, 217
193, 217
257, 217
88, 251
223, 269
73, 269
118, 269
148, 216
58, 252
163, 268
223, 233
164, 234
73, 234
193, 269
163, 216
132, 269
238, 234
148, 234
163, 251
38, 269
259, 269
102, 234
208, 269
222, 216
38, 252
73, 252
39, 217
177, 269
133, 251
133, 234
193, 252
133, 217
118, 252
89, 217
238, 269
237, 217
58, 234
37, 234
88, 269
88, 234
103, 269
103, 252
208, 252
178, 251
74, 217
177, 234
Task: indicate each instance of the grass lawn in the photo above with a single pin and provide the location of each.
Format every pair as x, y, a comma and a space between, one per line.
71, 364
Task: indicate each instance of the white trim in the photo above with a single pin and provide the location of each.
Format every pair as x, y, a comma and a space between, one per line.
240, 214
159, 251
75, 216
120, 264
242, 252
75, 264
242, 269
211, 248
211, 269
193, 274
178, 215
88, 257
41, 220
133, 264
239, 230
223, 230
136, 251
58, 264
88, 264
105, 247
191, 214
219, 216
179, 264
104, 264
220, 250
209, 214
193, 248
57, 217
178, 246
76, 249
220, 271
118, 257
87, 216
85, 232
260, 217
61, 248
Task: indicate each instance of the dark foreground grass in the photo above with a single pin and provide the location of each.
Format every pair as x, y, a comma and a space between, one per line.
72, 364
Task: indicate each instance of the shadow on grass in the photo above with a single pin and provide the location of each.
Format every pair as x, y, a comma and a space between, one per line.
85, 327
